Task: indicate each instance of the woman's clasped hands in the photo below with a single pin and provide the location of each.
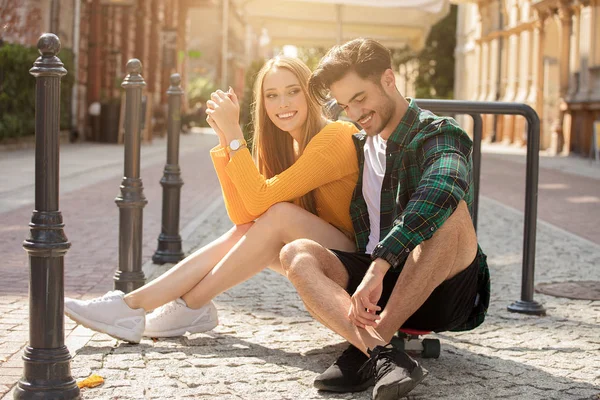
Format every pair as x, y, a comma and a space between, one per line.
223, 114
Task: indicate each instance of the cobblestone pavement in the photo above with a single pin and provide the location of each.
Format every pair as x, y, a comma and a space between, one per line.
268, 347
90, 179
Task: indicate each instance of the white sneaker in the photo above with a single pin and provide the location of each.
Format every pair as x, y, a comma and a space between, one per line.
108, 314
175, 319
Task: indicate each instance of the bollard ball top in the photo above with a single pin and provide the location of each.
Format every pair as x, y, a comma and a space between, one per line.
134, 66
175, 79
48, 45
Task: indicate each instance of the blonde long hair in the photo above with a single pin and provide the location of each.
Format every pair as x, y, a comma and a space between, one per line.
273, 148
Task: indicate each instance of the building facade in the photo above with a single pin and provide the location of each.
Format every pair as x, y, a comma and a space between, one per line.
545, 53
104, 34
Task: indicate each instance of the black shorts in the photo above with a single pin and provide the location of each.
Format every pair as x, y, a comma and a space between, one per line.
448, 306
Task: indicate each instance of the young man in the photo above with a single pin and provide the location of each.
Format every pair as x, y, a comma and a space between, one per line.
418, 261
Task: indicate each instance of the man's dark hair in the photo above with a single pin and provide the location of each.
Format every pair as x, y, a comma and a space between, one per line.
368, 58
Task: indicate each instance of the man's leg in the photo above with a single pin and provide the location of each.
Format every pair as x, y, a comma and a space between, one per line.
310, 267
320, 279
447, 253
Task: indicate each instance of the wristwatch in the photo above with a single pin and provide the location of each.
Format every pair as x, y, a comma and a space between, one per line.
235, 145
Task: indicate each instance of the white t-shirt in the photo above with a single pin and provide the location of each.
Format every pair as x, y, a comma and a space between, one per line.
373, 172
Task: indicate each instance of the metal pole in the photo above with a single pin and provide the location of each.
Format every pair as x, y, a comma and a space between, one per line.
169, 240
131, 201
477, 136
526, 305
47, 373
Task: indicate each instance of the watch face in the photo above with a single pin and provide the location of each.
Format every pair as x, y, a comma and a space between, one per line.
235, 144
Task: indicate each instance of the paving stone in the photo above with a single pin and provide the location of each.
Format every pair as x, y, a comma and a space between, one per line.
268, 347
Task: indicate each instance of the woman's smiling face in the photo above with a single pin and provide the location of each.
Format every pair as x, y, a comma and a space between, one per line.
284, 100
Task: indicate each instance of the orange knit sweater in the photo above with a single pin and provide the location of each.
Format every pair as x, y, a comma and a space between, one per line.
328, 166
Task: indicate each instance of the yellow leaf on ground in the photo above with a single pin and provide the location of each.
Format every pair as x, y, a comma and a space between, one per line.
91, 381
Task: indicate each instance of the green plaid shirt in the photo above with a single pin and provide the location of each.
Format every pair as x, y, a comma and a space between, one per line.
428, 172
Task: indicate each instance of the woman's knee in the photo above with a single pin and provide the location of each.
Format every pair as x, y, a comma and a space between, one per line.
278, 219
280, 213
241, 230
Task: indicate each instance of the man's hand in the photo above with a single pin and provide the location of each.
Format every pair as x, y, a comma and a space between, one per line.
364, 306
224, 109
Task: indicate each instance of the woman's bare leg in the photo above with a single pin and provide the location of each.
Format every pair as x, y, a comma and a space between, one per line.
260, 247
184, 275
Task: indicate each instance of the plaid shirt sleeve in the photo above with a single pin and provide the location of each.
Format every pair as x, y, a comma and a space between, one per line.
443, 156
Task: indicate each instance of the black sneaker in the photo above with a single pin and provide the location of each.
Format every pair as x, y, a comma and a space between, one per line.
396, 374
345, 374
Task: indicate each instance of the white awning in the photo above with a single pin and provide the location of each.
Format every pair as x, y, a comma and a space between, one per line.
395, 23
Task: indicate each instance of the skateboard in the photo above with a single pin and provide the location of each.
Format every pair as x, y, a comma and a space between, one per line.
410, 341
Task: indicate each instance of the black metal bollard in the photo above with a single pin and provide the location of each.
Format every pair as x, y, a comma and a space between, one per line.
169, 240
131, 201
47, 371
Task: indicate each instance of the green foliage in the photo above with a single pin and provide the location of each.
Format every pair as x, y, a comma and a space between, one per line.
17, 90
247, 106
194, 54
199, 90
311, 55
436, 60
435, 74
66, 87
402, 56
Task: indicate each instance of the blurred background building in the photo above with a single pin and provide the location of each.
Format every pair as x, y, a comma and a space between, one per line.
545, 53
98, 37
211, 43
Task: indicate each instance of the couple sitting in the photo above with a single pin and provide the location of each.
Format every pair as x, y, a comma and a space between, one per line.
372, 227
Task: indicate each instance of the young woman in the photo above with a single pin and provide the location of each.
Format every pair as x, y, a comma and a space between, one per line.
299, 185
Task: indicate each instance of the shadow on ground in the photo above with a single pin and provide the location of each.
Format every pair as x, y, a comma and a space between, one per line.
457, 374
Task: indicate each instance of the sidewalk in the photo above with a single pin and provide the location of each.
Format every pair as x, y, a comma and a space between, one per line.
568, 189
572, 164
90, 179
266, 345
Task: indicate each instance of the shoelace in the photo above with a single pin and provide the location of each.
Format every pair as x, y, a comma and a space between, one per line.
104, 298
168, 308
379, 352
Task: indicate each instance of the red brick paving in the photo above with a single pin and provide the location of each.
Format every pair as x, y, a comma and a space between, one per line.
569, 201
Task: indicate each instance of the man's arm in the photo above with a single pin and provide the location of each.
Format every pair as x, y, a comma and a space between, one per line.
444, 159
